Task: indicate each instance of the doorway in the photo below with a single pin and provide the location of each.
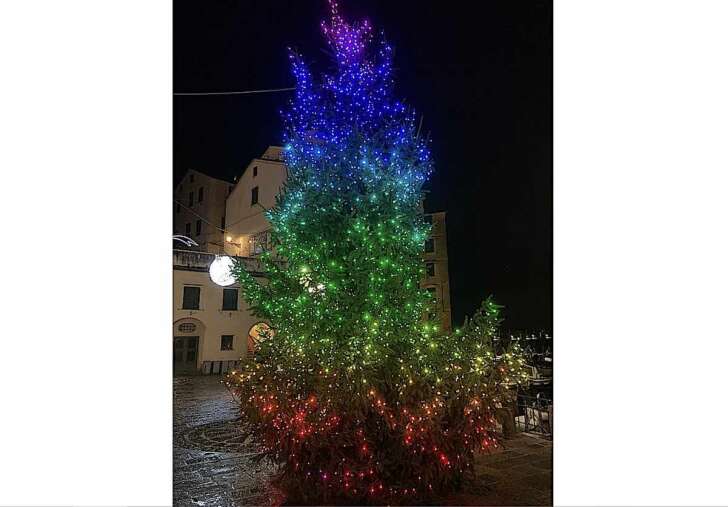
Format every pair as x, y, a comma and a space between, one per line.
185, 355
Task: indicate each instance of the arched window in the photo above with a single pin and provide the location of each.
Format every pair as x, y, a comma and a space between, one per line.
257, 334
187, 327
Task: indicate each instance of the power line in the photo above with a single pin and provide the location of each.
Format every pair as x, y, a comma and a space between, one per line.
199, 216
249, 216
246, 92
215, 226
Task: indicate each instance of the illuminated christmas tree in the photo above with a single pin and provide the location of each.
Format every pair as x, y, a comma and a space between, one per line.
355, 394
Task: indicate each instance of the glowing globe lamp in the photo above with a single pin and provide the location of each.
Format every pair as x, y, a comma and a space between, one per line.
221, 271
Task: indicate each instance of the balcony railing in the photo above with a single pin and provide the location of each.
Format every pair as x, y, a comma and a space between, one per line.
535, 415
200, 261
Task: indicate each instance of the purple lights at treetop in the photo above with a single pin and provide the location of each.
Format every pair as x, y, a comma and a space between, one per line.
348, 41
347, 123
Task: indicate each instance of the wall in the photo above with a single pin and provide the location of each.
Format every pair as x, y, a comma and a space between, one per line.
243, 219
211, 208
191, 268
441, 280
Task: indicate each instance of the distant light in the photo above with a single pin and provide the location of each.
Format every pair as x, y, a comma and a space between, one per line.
229, 239
220, 271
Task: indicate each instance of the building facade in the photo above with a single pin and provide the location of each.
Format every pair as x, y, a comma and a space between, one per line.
247, 229
199, 209
437, 278
213, 328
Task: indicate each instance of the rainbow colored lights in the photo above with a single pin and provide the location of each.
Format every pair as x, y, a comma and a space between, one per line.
357, 396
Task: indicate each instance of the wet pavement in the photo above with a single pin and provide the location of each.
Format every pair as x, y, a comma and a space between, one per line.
518, 474
215, 466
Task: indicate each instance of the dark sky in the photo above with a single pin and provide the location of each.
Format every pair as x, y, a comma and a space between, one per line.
482, 78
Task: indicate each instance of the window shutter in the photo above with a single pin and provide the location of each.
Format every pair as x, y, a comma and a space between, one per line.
430, 245
191, 298
230, 299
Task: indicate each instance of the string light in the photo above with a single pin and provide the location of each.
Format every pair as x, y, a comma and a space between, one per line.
358, 396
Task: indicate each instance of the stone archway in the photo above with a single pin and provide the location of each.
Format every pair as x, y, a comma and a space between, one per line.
258, 333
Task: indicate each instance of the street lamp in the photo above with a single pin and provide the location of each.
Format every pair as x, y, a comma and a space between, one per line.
221, 270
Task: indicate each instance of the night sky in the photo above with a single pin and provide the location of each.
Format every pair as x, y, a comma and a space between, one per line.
482, 78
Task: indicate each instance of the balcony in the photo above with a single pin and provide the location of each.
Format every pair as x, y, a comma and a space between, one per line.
190, 260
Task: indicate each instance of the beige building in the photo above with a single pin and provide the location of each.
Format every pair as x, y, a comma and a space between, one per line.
247, 229
199, 209
213, 328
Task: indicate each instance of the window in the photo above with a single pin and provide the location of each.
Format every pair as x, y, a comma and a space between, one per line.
190, 201
254, 196
178, 207
192, 178
430, 268
191, 298
429, 245
428, 219
200, 194
188, 229
198, 228
433, 292
255, 171
230, 299
226, 342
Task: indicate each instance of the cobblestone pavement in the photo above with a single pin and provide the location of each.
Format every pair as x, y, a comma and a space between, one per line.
214, 465
518, 474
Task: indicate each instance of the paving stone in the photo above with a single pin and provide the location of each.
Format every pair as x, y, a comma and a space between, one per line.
510, 463
211, 456
543, 464
540, 481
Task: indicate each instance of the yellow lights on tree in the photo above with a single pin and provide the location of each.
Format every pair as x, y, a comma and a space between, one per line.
221, 271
